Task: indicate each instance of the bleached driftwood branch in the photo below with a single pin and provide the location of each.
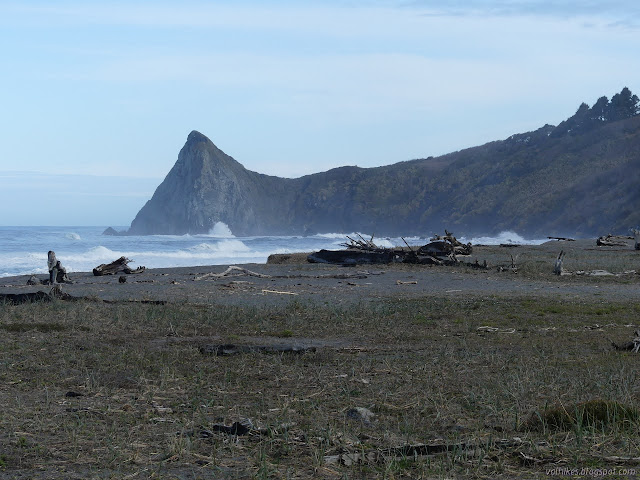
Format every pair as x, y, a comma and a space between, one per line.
232, 271
557, 268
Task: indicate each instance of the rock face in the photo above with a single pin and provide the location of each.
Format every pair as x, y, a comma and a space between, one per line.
207, 186
553, 181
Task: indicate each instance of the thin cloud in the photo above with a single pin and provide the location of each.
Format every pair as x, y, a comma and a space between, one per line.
346, 19
560, 8
614, 14
248, 16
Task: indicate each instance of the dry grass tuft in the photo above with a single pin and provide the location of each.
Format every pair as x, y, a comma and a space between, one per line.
593, 414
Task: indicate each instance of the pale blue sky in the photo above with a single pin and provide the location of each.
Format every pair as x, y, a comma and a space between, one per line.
98, 98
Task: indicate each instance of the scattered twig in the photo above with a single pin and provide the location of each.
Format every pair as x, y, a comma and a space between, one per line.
276, 292
487, 328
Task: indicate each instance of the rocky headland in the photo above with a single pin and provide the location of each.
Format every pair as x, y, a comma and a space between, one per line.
579, 178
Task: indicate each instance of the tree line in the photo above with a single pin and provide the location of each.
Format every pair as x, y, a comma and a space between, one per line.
621, 106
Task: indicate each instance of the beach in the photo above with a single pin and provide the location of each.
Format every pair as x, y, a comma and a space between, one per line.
288, 277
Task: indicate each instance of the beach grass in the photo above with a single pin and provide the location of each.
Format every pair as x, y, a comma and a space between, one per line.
94, 390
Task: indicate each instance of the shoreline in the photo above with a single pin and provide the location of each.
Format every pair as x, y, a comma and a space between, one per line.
81, 249
288, 277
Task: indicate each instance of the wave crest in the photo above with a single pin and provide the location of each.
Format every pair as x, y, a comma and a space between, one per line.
221, 230
504, 237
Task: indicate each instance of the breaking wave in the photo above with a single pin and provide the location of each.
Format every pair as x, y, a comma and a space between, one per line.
504, 237
222, 246
224, 251
213, 253
221, 230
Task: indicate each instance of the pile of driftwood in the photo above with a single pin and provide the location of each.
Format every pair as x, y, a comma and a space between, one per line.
441, 250
448, 244
119, 265
620, 240
614, 241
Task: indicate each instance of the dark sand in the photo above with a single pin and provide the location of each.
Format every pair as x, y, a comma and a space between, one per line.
296, 280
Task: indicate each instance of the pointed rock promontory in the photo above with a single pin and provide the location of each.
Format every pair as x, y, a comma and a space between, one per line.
207, 186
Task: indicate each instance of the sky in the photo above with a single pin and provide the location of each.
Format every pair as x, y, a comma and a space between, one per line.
98, 97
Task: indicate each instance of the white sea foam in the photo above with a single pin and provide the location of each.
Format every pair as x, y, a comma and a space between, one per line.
221, 246
503, 237
385, 243
221, 230
414, 239
29, 264
341, 236
202, 253
73, 236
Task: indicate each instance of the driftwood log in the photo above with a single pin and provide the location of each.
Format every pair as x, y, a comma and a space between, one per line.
231, 349
350, 257
612, 241
562, 239
39, 296
57, 293
420, 450
20, 298
119, 265
632, 346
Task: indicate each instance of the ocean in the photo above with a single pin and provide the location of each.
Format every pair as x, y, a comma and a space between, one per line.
23, 250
